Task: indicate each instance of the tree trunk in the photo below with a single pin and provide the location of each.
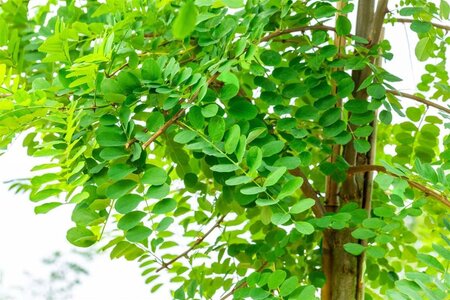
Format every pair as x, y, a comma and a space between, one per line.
343, 271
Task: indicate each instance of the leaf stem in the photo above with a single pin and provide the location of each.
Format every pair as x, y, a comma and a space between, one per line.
427, 191
421, 100
197, 242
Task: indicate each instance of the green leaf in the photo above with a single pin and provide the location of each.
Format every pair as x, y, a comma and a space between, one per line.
424, 48
302, 205
44, 194
150, 70
195, 117
216, 128
304, 227
363, 234
386, 117
258, 293
253, 190
120, 188
288, 286
430, 261
155, 121
356, 106
110, 137
345, 87
157, 192
229, 78
81, 237
284, 73
46, 207
184, 23
164, 224
272, 148
184, 137
376, 252
270, 58
361, 146
444, 9
154, 175
119, 171
254, 134
224, 168
276, 279
254, 158
445, 253
343, 25
138, 233
232, 139
128, 203
130, 220
376, 90
294, 90
309, 291
234, 3
266, 202
238, 180
128, 82
420, 26
242, 109
274, 176
113, 153
384, 211
353, 248
373, 223
164, 206
290, 187
228, 91
210, 110
330, 117
363, 131
280, 218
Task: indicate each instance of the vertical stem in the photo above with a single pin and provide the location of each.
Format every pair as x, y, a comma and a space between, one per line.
331, 200
366, 202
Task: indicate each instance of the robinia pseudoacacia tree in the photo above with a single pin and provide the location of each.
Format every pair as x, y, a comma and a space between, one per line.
234, 144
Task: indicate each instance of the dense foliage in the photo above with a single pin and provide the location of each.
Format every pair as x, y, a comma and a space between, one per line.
203, 138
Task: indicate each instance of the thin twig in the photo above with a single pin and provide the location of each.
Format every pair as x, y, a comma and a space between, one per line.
434, 24
427, 191
176, 116
106, 221
421, 100
308, 191
197, 242
117, 70
243, 283
296, 29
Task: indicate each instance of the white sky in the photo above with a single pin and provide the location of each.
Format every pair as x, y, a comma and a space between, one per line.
27, 238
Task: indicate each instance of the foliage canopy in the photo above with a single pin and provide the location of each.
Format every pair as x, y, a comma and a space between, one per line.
228, 142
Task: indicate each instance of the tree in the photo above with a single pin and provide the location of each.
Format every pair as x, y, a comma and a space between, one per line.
234, 144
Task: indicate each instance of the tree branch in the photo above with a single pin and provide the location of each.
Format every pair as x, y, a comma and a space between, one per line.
427, 191
242, 284
296, 29
308, 191
197, 242
378, 21
176, 116
421, 100
434, 24
116, 71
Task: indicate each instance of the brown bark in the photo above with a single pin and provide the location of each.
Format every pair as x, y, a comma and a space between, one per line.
344, 272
